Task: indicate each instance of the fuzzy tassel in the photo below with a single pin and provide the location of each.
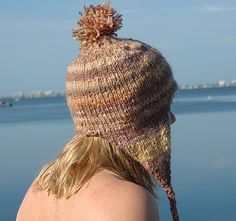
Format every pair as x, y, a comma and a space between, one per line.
96, 22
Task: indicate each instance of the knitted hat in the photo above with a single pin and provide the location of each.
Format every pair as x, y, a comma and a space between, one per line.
121, 90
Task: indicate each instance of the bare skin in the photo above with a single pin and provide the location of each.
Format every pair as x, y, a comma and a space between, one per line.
104, 198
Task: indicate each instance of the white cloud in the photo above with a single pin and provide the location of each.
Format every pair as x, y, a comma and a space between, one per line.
218, 8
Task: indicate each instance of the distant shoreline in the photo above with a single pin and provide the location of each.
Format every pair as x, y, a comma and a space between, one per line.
40, 94
206, 86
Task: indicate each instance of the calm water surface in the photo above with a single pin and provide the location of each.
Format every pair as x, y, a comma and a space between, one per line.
203, 153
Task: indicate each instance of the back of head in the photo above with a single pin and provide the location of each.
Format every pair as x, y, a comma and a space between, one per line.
81, 158
119, 92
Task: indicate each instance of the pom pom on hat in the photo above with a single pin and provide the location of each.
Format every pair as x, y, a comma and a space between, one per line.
96, 22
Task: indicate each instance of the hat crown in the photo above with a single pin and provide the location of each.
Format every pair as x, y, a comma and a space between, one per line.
119, 86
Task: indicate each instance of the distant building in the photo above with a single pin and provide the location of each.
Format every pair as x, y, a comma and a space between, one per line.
17, 95
221, 83
233, 82
36, 94
49, 94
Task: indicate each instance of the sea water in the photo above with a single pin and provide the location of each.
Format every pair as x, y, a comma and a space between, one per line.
33, 131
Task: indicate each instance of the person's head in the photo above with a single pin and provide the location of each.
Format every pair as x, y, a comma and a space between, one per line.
119, 92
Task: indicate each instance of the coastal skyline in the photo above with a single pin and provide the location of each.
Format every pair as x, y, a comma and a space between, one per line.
198, 39
50, 93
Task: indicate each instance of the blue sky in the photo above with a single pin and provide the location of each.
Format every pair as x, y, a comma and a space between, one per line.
198, 38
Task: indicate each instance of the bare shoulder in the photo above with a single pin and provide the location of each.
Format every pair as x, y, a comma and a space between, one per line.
105, 198
136, 203
125, 201
23, 209
32, 206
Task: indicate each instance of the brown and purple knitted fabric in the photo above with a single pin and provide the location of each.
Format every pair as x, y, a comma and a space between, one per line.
121, 89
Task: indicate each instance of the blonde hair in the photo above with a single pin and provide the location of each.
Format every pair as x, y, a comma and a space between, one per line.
80, 159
